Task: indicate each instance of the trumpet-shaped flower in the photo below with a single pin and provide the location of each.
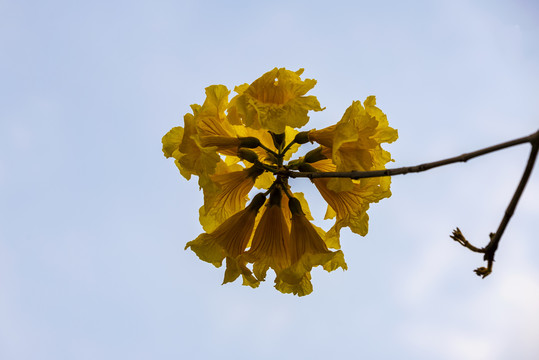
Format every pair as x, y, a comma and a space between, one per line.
211, 116
354, 142
271, 241
350, 207
307, 250
213, 127
226, 145
230, 240
190, 157
195, 146
227, 197
273, 101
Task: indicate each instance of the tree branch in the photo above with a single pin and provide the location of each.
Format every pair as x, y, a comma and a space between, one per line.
417, 168
492, 246
490, 250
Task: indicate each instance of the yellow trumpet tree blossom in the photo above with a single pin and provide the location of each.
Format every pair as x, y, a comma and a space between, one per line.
233, 146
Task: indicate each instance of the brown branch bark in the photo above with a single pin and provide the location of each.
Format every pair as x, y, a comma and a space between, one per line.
490, 250
417, 168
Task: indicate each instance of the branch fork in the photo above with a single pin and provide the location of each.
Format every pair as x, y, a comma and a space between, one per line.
490, 249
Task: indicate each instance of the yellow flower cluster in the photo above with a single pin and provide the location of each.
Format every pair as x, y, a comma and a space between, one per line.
233, 146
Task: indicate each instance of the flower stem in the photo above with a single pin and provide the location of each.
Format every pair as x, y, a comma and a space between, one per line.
266, 167
282, 153
269, 150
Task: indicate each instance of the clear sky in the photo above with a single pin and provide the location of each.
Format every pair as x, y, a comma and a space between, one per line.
93, 218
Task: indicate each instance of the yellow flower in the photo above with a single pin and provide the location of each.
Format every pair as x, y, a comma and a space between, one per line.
230, 240
171, 148
286, 211
228, 196
307, 250
211, 119
350, 206
248, 142
354, 142
273, 101
207, 133
171, 142
190, 157
225, 145
213, 127
271, 241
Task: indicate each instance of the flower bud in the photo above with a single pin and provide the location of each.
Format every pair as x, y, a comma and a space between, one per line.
302, 137
295, 206
248, 155
257, 201
249, 142
314, 155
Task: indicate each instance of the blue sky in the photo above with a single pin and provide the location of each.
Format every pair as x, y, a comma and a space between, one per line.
93, 219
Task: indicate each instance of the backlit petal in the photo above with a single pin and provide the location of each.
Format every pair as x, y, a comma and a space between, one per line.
230, 240
227, 197
275, 100
307, 250
270, 244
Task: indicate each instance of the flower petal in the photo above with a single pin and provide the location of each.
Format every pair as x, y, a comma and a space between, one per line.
307, 250
350, 206
227, 197
194, 159
172, 140
355, 140
270, 244
230, 240
274, 101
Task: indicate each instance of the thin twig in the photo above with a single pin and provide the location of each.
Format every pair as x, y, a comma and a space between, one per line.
414, 169
459, 237
492, 246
